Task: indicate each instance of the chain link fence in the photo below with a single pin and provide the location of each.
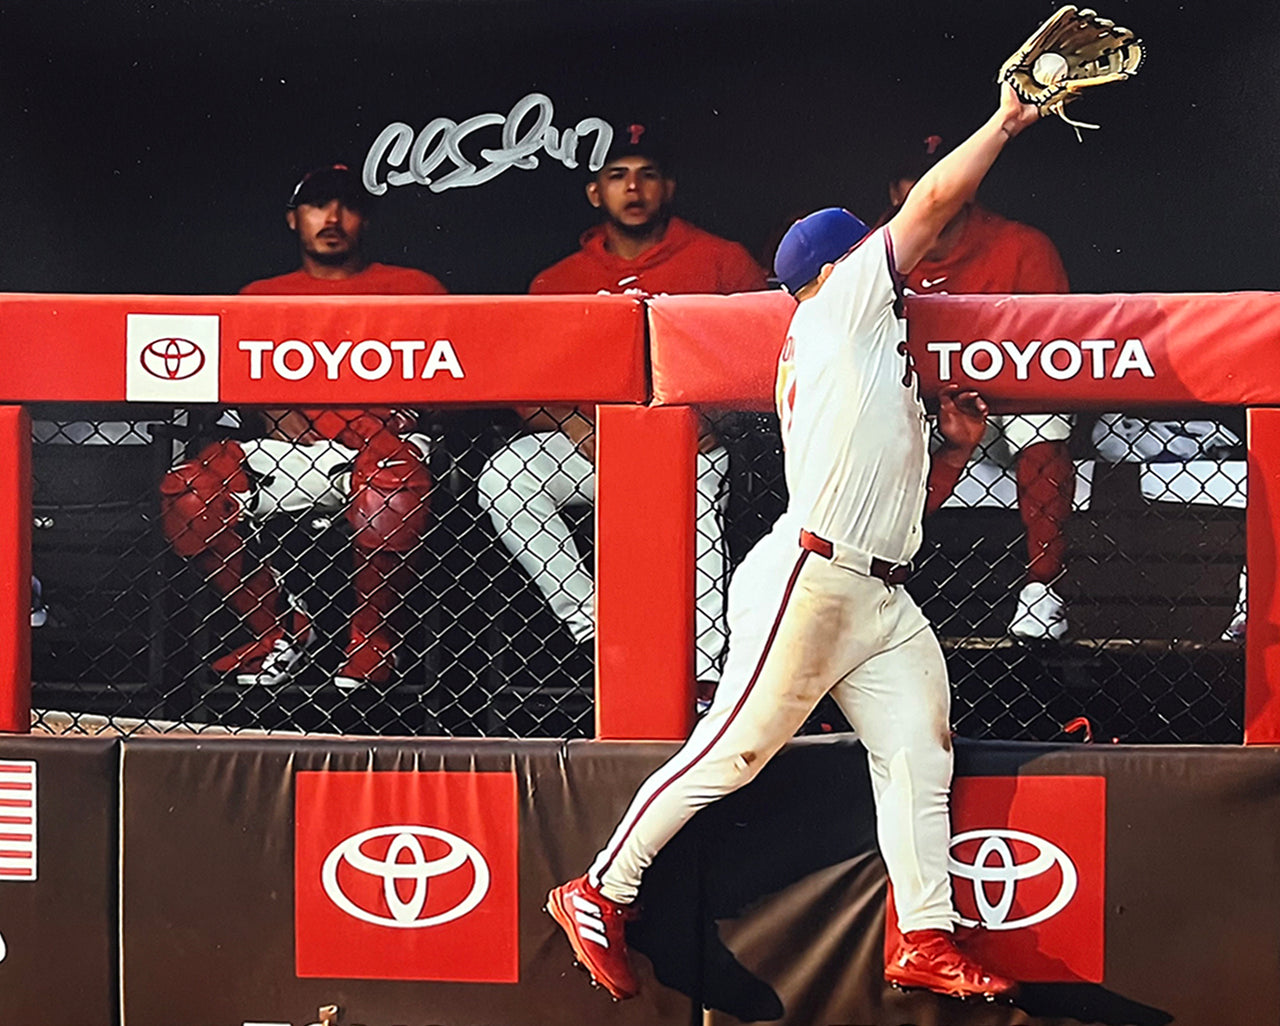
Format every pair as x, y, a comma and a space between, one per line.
325, 595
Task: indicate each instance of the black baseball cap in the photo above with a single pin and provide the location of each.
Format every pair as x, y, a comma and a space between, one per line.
635, 138
332, 181
915, 157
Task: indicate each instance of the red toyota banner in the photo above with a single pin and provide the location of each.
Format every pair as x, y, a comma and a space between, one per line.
1024, 352
406, 876
413, 350
1102, 351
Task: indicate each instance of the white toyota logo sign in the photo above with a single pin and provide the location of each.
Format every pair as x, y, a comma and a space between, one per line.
172, 358
1007, 872
420, 870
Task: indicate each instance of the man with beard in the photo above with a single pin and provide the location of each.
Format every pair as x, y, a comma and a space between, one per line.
638, 248
365, 462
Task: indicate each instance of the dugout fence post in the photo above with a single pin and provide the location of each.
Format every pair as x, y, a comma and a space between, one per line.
15, 570
646, 464
1262, 548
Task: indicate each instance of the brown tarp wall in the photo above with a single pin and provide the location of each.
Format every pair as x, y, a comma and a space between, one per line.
59, 938
769, 907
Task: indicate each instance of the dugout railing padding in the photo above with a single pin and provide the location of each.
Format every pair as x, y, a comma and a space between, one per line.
1029, 353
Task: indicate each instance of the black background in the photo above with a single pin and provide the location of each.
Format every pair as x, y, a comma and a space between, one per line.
149, 147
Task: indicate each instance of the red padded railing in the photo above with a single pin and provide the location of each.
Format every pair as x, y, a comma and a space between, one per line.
1042, 353
1025, 353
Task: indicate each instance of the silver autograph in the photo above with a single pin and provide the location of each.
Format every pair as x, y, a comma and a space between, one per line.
399, 156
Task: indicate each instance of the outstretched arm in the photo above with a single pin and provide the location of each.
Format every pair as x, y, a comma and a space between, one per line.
951, 183
962, 419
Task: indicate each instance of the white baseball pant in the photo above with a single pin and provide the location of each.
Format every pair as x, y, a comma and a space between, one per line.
800, 626
1013, 432
526, 484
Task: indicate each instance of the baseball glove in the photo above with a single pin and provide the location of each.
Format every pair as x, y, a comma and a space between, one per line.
1072, 51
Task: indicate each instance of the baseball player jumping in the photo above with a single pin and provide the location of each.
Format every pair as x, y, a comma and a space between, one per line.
818, 606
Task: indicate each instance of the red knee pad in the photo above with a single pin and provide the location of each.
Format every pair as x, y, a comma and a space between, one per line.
389, 498
198, 500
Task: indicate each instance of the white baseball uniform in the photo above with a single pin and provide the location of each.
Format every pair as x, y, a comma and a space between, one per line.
811, 609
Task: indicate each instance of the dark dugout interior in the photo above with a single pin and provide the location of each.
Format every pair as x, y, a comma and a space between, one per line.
150, 147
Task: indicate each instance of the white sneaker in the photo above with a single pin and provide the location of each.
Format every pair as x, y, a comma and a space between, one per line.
1240, 615
280, 661
1236, 629
1041, 614
279, 664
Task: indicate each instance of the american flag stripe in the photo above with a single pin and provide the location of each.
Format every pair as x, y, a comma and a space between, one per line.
19, 813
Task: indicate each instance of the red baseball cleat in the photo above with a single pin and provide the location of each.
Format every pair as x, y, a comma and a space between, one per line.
596, 928
930, 959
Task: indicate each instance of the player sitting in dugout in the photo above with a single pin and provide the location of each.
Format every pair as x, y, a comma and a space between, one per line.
367, 463
981, 252
638, 247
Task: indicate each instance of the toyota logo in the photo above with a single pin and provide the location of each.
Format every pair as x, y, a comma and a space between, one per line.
418, 870
994, 865
173, 359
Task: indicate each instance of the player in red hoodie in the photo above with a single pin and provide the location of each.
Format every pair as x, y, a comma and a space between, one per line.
982, 252
638, 248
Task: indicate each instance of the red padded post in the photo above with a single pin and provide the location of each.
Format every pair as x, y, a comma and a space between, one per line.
15, 570
1262, 643
645, 508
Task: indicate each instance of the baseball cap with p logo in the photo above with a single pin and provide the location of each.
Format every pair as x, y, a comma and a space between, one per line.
636, 138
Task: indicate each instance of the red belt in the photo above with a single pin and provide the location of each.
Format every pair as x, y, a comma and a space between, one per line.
890, 573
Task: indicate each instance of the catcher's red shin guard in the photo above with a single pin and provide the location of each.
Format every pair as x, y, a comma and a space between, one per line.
256, 597
198, 499
596, 928
382, 584
389, 496
930, 960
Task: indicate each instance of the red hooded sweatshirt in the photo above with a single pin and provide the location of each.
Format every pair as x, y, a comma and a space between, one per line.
686, 260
